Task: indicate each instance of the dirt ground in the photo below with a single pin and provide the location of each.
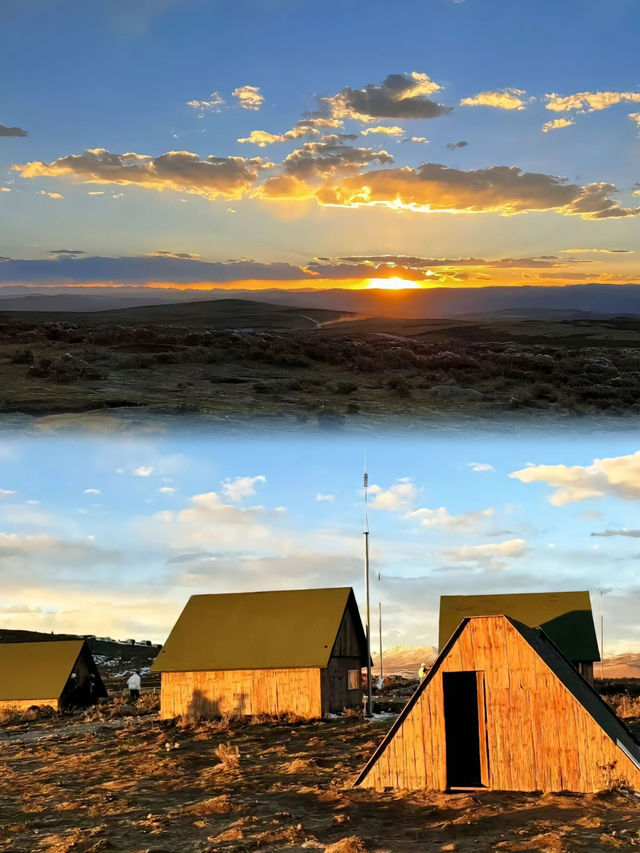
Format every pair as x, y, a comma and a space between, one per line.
138, 785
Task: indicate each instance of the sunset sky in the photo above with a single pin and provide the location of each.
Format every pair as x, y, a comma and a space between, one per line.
290, 143
110, 536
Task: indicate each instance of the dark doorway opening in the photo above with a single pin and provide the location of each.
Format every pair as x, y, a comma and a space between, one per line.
465, 730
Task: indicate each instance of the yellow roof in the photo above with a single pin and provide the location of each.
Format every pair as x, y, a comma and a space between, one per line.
565, 617
36, 670
258, 630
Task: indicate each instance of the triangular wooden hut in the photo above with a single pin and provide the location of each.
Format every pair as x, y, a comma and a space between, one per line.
503, 709
290, 651
58, 673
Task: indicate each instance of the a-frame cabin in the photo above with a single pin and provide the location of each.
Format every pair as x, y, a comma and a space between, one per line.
59, 674
503, 709
280, 652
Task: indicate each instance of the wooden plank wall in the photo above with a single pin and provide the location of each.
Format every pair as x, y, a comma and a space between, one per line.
539, 736
241, 692
336, 695
25, 704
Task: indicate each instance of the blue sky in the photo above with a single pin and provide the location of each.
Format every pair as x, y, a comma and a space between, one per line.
110, 536
119, 76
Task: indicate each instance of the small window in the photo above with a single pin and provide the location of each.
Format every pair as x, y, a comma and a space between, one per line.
353, 679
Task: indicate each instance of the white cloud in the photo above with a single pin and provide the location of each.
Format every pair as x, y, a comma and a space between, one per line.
5, 493
441, 518
143, 471
92, 492
481, 466
249, 97
241, 487
618, 476
489, 556
325, 497
166, 490
398, 496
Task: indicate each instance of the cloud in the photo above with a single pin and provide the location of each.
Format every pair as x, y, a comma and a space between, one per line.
92, 492
589, 101
417, 139
556, 124
241, 487
7, 493
396, 497
69, 253
503, 99
481, 466
208, 521
617, 476
143, 471
330, 157
26, 553
399, 96
451, 146
636, 118
180, 171
325, 497
441, 518
433, 187
624, 531
50, 195
166, 490
189, 256
323, 171
249, 97
394, 130
491, 556
157, 267
213, 103
601, 251
303, 128
12, 131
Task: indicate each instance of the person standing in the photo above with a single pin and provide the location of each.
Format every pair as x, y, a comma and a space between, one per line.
134, 687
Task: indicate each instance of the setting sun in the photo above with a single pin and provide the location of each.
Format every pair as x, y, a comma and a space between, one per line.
394, 283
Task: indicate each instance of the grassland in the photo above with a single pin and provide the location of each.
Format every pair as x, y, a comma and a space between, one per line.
243, 361
107, 781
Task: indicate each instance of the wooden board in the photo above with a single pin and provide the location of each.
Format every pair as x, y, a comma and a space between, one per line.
242, 692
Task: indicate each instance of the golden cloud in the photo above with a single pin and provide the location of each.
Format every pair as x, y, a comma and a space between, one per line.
324, 171
249, 97
504, 99
181, 171
589, 101
394, 130
556, 124
398, 96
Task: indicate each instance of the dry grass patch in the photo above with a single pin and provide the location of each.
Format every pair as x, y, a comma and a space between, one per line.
228, 755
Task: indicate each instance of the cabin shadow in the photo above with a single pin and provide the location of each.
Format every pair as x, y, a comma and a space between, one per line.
202, 706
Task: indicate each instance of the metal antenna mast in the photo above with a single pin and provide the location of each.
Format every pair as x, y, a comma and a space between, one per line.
601, 633
369, 711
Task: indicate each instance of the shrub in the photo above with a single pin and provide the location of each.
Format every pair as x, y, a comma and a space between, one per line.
229, 756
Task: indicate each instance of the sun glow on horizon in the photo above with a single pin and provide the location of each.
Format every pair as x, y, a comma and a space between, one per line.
393, 283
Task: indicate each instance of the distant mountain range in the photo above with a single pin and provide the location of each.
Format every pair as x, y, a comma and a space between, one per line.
404, 661
566, 302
